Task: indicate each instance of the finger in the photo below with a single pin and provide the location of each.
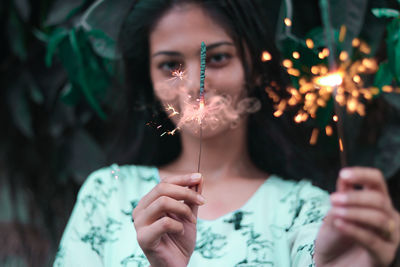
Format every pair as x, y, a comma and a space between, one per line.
368, 218
163, 206
368, 239
183, 180
148, 236
173, 191
370, 177
364, 198
195, 208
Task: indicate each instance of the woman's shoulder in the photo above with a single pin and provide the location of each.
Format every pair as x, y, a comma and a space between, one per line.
120, 178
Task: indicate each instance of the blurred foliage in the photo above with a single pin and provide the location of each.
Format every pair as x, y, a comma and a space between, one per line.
57, 62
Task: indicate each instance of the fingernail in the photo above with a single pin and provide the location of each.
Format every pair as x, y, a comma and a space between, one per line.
340, 198
194, 219
338, 222
345, 174
195, 177
201, 199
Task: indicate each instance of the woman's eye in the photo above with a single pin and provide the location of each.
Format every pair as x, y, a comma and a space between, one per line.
169, 66
218, 59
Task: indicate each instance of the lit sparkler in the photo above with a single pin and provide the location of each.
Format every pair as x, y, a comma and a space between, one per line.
178, 74
342, 81
173, 111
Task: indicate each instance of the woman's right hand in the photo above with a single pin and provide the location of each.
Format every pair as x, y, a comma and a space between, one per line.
165, 220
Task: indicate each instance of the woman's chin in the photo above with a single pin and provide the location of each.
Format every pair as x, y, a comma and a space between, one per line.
207, 130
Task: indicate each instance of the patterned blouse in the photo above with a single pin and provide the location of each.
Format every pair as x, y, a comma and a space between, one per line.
277, 226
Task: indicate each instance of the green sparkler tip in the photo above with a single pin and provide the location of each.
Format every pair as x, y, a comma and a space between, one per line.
203, 55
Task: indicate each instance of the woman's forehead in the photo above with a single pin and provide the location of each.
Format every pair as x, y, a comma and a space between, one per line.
184, 28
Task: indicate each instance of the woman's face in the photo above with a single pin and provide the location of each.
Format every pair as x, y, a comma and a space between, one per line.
175, 46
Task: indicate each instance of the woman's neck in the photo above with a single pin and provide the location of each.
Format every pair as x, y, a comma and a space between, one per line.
223, 156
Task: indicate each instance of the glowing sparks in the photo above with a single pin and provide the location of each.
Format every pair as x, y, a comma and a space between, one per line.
288, 22
296, 55
278, 113
356, 42
387, 89
287, 63
343, 56
331, 80
341, 145
325, 52
266, 56
357, 78
294, 72
328, 130
335, 118
342, 34
173, 111
179, 73
315, 70
314, 136
310, 43
173, 132
364, 48
346, 86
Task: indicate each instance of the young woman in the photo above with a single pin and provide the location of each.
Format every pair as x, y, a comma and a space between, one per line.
241, 214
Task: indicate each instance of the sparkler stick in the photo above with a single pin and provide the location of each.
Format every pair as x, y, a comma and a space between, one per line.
203, 53
201, 99
324, 5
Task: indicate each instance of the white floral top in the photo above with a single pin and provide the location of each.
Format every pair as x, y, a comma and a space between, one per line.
277, 226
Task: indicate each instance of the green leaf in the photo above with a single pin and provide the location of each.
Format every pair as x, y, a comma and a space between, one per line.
24, 9
70, 95
84, 72
373, 28
397, 58
392, 40
20, 112
54, 41
384, 76
62, 10
385, 12
350, 13
106, 16
102, 44
34, 91
40, 35
16, 36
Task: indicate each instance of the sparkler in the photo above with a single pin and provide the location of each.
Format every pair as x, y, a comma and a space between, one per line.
340, 81
203, 54
334, 79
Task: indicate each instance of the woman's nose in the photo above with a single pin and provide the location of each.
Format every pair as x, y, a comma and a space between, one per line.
192, 84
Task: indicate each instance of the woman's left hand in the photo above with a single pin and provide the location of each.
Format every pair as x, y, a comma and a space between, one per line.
362, 228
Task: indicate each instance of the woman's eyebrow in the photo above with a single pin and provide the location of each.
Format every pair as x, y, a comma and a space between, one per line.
215, 45
177, 54
167, 53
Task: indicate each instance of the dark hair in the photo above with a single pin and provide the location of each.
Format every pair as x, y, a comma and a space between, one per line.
246, 23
